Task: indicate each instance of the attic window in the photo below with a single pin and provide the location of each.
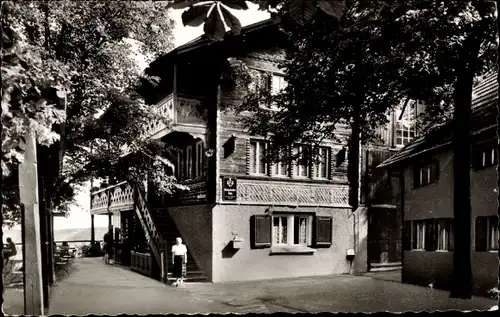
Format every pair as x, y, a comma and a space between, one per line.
405, 123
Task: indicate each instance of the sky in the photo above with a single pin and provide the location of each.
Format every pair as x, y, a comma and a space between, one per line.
79, 216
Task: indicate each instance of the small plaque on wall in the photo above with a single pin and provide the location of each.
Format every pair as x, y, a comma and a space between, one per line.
229, 188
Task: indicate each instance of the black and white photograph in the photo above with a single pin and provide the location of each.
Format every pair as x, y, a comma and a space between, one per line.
250, 156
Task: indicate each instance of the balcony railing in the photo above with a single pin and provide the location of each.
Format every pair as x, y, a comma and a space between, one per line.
176, 110
113, 198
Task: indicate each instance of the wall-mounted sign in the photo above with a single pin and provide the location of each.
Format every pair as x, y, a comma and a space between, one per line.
229, 188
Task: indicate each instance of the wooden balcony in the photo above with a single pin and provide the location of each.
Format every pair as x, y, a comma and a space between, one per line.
112, 199
183, 113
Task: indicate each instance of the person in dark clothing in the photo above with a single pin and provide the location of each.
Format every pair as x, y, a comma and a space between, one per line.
108, 246
9, 251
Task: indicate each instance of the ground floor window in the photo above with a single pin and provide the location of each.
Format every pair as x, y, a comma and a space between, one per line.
282, 229
292, 229
486, 234
445, 234
428, 234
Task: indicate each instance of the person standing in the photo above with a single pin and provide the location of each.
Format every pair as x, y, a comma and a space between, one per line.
108, 247
179, 259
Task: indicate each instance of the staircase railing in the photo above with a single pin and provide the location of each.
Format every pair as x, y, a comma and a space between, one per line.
153, 236
128, 195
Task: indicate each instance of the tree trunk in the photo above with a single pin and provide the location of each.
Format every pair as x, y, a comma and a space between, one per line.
461, 143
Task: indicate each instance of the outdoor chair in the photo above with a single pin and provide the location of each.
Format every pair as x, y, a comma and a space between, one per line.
63, 261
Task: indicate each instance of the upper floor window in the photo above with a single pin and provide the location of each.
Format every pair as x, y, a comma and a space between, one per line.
190, 161
258, 163
321, 167
301, 168
405, 123
425, 173
485, 155
280, 169
278, 83
180, 165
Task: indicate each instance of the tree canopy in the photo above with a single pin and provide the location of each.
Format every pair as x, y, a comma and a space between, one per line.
75, 64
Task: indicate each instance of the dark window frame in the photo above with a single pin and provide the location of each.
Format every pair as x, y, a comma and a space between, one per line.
318, 225
432, 169
482, 151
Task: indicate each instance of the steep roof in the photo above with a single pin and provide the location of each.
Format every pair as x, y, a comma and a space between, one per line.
202, 41
484, 96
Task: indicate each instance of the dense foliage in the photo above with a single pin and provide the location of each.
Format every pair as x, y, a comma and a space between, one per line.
69, 74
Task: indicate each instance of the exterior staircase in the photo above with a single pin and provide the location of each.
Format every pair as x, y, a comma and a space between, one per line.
169, 232
158, 227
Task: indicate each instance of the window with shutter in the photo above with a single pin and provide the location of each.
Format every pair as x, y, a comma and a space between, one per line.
291, 229
324, 228
481, 234
260, 230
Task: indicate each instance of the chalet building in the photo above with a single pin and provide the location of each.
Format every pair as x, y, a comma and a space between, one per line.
242, 217
422, 184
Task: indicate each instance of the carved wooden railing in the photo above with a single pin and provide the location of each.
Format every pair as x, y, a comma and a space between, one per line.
178, 110
113, 198
165, 109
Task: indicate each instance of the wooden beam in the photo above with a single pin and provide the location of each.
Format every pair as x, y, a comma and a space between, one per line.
28, 189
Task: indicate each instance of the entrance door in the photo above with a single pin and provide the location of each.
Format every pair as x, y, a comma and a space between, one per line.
384, 236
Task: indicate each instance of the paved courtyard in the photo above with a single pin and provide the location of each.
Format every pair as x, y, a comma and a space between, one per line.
95, 288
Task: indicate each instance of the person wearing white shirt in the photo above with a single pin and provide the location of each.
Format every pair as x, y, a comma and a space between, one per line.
179, 259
